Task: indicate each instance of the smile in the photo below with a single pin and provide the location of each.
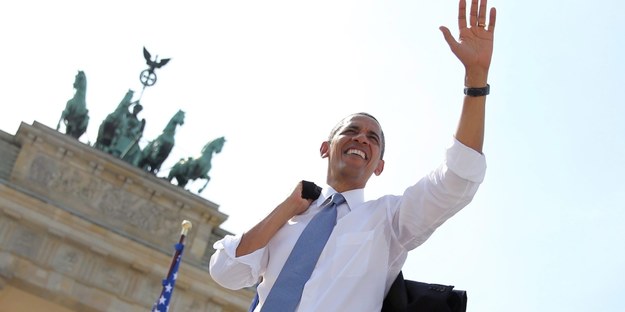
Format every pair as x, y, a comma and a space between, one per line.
356, 152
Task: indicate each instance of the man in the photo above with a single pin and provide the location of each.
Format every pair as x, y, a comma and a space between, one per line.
370, 241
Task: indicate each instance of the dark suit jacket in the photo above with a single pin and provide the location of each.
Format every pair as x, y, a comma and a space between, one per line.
412, 296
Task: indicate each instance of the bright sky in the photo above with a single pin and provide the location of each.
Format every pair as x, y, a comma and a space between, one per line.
545, 231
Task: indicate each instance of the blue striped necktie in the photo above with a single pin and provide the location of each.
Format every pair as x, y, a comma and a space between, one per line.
287, 290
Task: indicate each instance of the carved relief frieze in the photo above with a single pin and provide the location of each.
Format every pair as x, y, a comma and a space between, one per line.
43, 171
117, 203
63, 179
155, 219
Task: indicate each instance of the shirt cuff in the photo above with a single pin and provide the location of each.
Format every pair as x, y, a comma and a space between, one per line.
229, 245
466, 162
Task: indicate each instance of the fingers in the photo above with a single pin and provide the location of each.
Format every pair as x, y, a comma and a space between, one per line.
491, 19
477, 14
477, 18
473, 20
481, 16
462, 14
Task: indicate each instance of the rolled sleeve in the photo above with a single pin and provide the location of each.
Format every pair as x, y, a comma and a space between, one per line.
438, 196
466, 162
231, 271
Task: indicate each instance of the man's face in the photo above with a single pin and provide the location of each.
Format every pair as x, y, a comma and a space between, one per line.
354, 153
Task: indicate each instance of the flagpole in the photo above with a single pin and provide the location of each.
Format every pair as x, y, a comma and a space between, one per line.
186, 226
162, 303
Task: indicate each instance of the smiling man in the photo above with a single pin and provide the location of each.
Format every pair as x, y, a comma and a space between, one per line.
355, 149
368, 241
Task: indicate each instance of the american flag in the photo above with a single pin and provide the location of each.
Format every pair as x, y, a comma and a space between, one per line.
162, 303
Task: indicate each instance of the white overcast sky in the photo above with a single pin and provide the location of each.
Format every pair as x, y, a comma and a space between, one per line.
545, 231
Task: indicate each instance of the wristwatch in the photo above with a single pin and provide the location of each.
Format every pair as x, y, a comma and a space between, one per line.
477, 91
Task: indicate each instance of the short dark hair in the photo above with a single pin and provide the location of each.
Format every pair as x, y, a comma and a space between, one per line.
340, 123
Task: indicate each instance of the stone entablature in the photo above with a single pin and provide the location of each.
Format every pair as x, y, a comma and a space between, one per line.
90, 232
107, 191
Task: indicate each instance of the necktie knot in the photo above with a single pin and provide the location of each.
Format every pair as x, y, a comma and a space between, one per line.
337, 199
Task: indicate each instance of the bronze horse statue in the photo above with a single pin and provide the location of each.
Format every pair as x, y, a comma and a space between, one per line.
75, 115
196, 168
113, 127
155, 153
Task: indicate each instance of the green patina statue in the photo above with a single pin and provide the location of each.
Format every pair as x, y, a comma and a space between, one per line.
128, 142
120, 132
196, 168
155, 153
75, 115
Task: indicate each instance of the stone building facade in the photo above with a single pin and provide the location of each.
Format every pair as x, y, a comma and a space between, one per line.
81, 230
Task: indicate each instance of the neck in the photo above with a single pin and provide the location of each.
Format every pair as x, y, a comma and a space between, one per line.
343, 186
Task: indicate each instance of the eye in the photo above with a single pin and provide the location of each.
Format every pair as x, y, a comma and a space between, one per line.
374, 137
348, 131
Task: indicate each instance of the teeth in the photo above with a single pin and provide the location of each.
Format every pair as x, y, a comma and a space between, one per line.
357, 152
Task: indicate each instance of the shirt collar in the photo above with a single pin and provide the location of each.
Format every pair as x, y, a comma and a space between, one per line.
354, 198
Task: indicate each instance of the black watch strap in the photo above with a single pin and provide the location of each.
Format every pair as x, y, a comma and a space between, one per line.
477, 91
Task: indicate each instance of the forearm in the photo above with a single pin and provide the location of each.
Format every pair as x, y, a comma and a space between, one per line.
470, 130
474, 49
235, 264
260, 235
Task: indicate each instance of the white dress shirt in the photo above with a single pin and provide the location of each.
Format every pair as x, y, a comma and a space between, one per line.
368, 245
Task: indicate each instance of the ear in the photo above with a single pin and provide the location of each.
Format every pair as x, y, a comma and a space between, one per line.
378, 170
324, 150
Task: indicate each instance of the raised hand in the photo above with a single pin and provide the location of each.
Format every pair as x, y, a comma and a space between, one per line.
474, 47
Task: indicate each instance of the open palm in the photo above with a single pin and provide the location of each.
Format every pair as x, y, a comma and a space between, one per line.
474, 47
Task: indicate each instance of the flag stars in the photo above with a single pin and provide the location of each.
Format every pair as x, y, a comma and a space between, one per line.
162, 304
